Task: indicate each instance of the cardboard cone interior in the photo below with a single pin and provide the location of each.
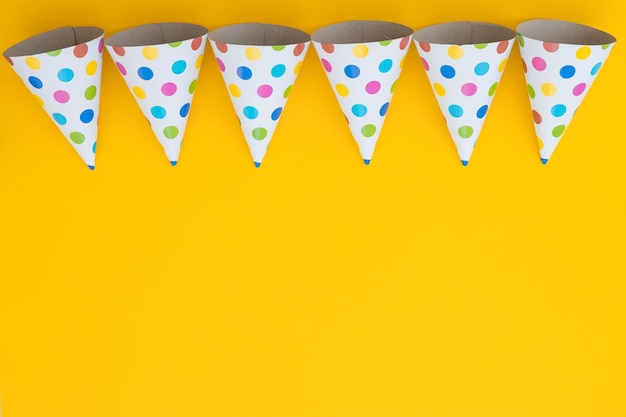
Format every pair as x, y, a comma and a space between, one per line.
464, 62
363, 60
160, 63
560, 60
62, 68
259, 63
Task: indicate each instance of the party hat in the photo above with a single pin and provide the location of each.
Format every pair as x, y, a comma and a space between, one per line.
464, 62
259, 64
62, 69
160, 63
363, 60
561, 60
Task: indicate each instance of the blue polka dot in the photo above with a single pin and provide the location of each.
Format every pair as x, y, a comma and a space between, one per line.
93, 148
596, 68
481, 68
179, 67
158, 112
59, 118
359, 110
276, 113
35, 82
65, 75
482, 112
447, 71
385, 65
558, 110
278, 70
145, 73
184, 111
383, 109
250, 112
352, 71
567, 71
87, 116
455, 110
244, 73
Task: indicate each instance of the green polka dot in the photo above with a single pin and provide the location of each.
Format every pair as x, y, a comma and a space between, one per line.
170, 132
192, 87
558, 131
520, 39
278, 47
287, 91
175, 44
77, 137
531, 91
393, 86
480, 45
492, 89
368, 130
259, 133
465, 131
606, 45
55, 53
90, 92
385, 42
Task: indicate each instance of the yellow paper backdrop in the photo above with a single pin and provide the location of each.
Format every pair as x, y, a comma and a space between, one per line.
313, 286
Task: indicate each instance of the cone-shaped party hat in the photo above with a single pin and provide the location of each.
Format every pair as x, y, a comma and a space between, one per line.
63, 68
561, 60
160, 63
464, 62
363, 60
259, 64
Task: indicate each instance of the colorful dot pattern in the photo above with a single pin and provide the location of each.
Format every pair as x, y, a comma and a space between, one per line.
464, 79
558, 77
259, 80
162, 79
363, 77
66, 83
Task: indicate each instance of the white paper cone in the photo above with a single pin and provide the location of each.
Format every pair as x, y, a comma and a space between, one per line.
464, 62
363, 61
561, 60
62, 68
259, 64
160, 63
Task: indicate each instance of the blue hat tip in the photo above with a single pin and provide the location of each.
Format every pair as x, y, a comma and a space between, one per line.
544, 160
367, 161
91, 167
257, 164
173, 163
465, 163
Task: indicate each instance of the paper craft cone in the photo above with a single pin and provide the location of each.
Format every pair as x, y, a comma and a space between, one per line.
62, 69
160, 63
561, 60
259, 64
464, 62
363, 60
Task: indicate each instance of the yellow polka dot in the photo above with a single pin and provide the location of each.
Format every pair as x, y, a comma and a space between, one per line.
297, 68
583, 52
253, 53
91, 68
455, 52
33, 63
150, 52
39, 99
139, 92
198, 61
234, 90
439, 89
502, 65
540, 143
360, 51
548, 89
342, 90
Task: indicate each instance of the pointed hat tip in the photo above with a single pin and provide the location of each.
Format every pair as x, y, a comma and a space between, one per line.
464, 163
367, 161
173, 163
257, 164
544, 160
91, 167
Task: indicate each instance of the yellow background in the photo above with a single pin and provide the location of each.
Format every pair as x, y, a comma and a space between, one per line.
313, 286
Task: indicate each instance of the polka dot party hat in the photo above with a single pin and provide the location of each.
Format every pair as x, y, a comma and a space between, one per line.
62, 69
464, 62
363, 60
560, 60
259, 64
160, 63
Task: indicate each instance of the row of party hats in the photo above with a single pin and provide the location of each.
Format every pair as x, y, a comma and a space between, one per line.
259, 63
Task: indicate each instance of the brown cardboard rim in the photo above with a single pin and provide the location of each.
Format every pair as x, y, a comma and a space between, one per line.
156, 34
361, 31
561, 31
258, 34
53, 40
464, 33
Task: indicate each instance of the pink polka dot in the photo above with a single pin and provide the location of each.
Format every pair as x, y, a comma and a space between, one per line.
168, 89
579, 89
469, 89
372, 87
121, 68
265, 91
551, 46
426, 66
101, 45
61, 96
538, 63
327, 65
221, 65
